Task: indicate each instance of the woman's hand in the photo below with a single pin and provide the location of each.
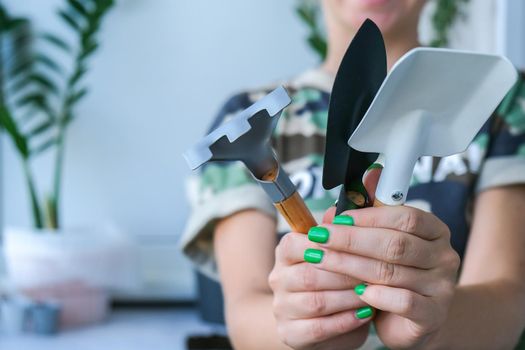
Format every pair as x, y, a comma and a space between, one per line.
314, 309
404, 256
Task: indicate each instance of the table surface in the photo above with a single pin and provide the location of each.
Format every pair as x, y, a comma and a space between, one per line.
126, 329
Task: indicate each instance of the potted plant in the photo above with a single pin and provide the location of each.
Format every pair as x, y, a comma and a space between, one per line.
38, 99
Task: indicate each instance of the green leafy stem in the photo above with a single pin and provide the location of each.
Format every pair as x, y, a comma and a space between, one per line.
38, 95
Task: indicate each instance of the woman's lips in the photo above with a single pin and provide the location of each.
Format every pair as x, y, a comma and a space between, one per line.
373, 3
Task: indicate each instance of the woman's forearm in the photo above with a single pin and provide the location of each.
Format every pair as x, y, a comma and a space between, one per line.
483, 316
251, 324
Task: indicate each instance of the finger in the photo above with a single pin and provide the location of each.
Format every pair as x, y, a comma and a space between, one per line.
401, 218
304, 305
290, 249
305, 277
349, 340
380, 272
370, 180
382, 244
316, 330
328, 216
352, 340
408, 304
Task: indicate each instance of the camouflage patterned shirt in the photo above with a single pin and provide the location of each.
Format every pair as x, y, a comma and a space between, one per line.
444, 186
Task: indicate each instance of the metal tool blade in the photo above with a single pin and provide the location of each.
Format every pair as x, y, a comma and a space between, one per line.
358, 79
244, 137
433, 103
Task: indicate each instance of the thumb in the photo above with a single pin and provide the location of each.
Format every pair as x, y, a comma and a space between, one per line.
370, 180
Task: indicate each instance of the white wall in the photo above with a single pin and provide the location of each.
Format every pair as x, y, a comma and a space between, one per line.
510, 30
163, 71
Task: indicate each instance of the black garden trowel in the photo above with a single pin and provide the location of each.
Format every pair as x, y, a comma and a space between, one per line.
358, 79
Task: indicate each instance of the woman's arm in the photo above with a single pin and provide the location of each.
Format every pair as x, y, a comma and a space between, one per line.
244, 246
488, 308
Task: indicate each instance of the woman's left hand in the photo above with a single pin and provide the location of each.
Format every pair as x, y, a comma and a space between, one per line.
404, 257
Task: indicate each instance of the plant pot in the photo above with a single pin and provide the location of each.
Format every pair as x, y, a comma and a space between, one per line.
75, 268
97, 257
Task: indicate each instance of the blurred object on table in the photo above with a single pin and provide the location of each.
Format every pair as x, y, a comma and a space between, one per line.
80, 303
101, 257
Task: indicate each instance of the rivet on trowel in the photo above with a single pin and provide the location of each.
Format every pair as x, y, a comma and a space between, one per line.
397, 196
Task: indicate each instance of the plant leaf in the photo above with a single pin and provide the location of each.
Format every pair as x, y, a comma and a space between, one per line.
37, 101
21, 66
40, 128
20, 84
78, 7
15, 24
35, 98
3, 18
79, 73
8, 124
93, 24
49, 63
38, 79
43, 147
75, 97
318, 43
68, 117
44, 82
25, 65
56, 41
70, 20
88, 50
306, 14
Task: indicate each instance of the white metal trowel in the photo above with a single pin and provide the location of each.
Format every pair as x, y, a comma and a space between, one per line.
432, 103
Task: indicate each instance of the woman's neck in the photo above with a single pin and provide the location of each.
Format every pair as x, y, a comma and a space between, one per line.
339, 38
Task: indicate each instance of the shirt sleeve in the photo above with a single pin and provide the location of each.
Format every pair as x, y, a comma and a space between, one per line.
505, 158
218, 191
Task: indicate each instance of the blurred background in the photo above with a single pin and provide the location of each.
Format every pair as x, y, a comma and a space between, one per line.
102, 267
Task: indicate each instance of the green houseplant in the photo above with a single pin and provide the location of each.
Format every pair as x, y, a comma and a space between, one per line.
38, 94
41, 85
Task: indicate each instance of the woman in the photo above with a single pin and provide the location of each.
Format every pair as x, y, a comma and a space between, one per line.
395, 267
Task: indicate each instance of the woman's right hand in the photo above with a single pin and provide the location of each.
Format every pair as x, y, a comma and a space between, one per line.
314, 309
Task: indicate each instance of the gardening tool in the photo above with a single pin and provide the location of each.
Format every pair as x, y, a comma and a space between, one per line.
246, 138
358, 79
432, 103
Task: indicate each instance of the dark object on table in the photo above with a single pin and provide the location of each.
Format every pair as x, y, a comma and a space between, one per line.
209, 342
45, 318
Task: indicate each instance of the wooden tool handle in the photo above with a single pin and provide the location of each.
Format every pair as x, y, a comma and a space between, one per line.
298, 216
378, 203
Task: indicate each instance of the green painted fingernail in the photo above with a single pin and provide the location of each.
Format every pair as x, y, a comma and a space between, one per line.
363, 312
318, 234
375, 166
313, 256
343, 220
360, 289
